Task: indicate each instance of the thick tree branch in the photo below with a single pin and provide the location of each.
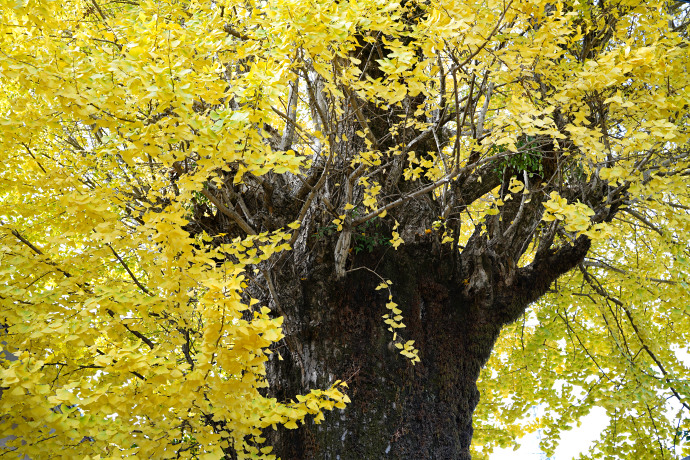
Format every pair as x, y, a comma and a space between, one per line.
533, 281
231, 213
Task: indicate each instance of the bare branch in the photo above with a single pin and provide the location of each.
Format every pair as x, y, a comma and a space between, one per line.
485, 108
642, 219
289, 132
605, 266
361, 119
231, 213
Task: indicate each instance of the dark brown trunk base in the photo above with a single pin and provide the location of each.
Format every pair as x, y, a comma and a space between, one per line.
398, 411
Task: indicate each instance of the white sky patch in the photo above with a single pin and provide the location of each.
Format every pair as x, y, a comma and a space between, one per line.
573, 442
581, 438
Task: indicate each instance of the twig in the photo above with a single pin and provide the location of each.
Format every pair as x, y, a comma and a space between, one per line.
361, 119
227, 28
143, 338
32, 156
98, 8
131, 275
642, 219
605, 266
137, 334
40, 253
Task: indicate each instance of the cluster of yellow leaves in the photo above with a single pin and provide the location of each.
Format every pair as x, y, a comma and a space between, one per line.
394, 321
638, 328
397, 240
367, 157
130, 340
575, 216
371, 193
427, 167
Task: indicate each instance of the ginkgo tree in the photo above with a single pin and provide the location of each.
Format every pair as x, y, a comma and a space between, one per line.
221, 221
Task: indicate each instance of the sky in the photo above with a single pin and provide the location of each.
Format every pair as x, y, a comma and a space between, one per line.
573, 442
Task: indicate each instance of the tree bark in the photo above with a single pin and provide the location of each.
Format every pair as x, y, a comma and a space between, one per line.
398, 410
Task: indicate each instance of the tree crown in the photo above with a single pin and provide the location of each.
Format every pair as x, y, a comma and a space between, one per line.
161, 160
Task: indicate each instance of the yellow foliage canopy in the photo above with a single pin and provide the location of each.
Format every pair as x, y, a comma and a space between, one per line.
125, 124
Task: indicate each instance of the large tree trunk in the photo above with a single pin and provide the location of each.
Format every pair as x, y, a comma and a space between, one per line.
398, 410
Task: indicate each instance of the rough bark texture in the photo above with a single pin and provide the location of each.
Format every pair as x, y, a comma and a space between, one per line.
398, 410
